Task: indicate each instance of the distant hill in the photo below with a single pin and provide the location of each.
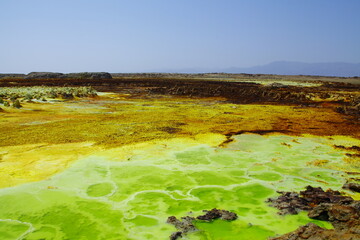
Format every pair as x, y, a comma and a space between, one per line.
338, 69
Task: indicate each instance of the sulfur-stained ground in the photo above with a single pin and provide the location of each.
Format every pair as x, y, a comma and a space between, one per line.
116, 165
43, 138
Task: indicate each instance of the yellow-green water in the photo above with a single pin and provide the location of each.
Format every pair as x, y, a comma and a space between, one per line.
118, 195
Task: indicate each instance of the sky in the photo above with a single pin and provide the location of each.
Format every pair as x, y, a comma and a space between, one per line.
162, 35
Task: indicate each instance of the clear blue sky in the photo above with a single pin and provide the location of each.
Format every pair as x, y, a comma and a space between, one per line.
151, 35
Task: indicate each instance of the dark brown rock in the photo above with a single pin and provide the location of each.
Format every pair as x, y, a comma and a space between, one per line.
292, 203
228, 216
341, 211
210, 215
312, 231
185, 225
175, 235
341, 216
289, 203
352, 186
217, 213
316, 196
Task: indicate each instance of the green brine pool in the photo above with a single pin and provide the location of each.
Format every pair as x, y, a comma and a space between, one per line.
128, 192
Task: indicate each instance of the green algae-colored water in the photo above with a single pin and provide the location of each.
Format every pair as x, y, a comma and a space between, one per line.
98, 198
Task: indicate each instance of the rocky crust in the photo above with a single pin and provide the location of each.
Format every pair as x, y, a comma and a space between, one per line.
175, 235
341, 211
217, 213
352, 108
293, 203
312, 231
44, 75
342, 97
185, 224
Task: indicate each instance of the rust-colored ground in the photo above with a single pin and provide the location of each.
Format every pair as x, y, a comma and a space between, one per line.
113, 120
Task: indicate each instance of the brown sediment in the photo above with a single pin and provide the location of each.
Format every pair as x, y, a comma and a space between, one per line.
352, 148
353, 155
235, 91
260, 132
229, 135
119, 120
227, 141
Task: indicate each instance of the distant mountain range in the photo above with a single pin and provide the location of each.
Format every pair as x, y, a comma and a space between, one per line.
338, 69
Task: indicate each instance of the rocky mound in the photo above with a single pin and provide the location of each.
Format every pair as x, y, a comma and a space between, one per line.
44, 75
82, 75
89, 75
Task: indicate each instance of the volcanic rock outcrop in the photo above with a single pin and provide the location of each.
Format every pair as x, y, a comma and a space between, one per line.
185, 224
342, 212
312, 231
44, 75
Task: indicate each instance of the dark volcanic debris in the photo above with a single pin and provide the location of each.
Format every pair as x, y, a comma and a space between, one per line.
217, 213
342, 212
292, 203
185, 224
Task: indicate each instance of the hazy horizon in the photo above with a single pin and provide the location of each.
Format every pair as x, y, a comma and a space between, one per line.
147, 36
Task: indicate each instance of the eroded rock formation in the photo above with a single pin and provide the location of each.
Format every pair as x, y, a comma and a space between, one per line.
312, 231
342, 212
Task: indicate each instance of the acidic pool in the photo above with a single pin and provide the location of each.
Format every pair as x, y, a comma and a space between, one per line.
128, 192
